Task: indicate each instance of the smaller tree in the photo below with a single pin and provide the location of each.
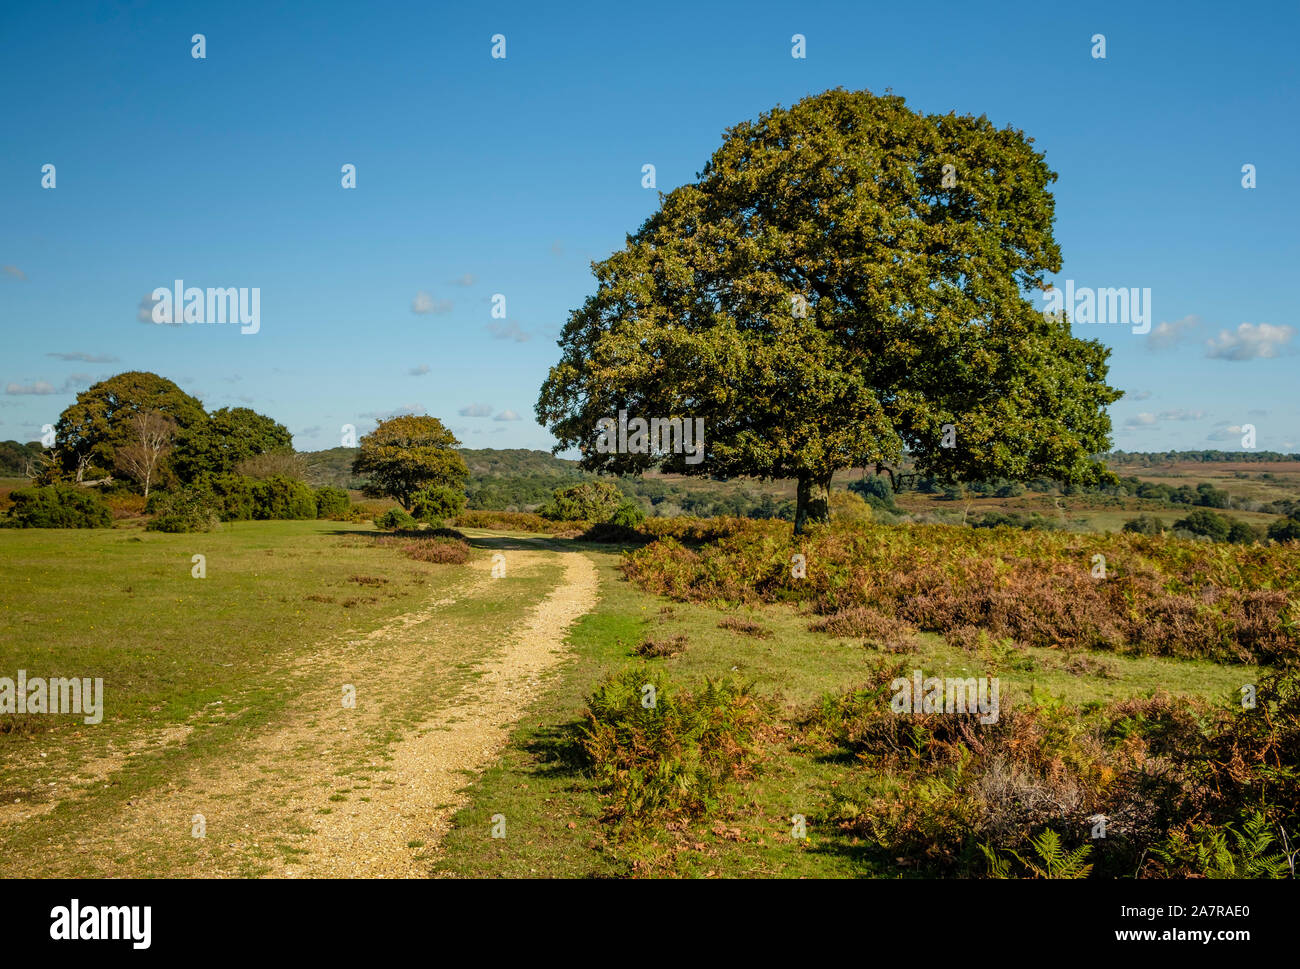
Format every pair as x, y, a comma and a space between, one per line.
405, 454
591, 501
150, 440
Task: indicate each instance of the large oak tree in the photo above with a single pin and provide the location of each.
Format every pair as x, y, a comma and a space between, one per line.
844, 278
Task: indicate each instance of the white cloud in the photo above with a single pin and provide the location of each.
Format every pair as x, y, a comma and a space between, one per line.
425, 303
39, 387
507, 415
475, 410
1142, 420
1181, 415
419, 371
1250, 341
1139, 395
1166, 335
467, 279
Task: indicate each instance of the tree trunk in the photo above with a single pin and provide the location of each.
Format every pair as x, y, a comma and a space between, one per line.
814, 501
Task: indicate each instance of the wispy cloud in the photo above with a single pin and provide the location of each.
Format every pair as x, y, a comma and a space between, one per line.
85, 357
1164, 336
508, 331
468, 279
419, 371
1250, 341
507, 415
144, 312
425, 303
13, 272
475, 410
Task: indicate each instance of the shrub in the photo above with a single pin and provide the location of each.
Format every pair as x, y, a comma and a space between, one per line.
654, 648
190, 508
591, 501
443, 551
870, 624
1207, 523
395, 518
58, 506
1145, 525
876, 491
332, 503
519, 521
629, 515
280, 497
437, 503
745, 626
671, 759
847, 506
231, 495
1244, 533
1285, 530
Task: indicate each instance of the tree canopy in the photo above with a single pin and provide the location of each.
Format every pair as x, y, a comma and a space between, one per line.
91, 430
847, 280
405, 454
229, 436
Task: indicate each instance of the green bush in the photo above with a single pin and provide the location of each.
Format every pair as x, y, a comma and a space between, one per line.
394, 519
1145, 525
282, 497
332, 502
876, 491
1285, 530
232, 495
437, 503
58, 506
190, 508
629, 515
592, 501
1205, 522
669, 759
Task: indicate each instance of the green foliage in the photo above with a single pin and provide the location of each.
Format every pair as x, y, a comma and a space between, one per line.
406, 454
231, 494
99, 422
1227, 852
437, 503
1285, 530
282, 497
699, 315
1205, 522
1145, 525
227, 437
188, 508
591, 501
15, 456
628, 515
395, 519
332, 503
672, 759
1053, 861
876, 490
58, 506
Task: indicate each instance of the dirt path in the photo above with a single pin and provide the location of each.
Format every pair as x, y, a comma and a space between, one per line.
431, 764
327, 790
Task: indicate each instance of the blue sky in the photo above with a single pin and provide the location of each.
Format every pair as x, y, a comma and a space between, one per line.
478, 176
